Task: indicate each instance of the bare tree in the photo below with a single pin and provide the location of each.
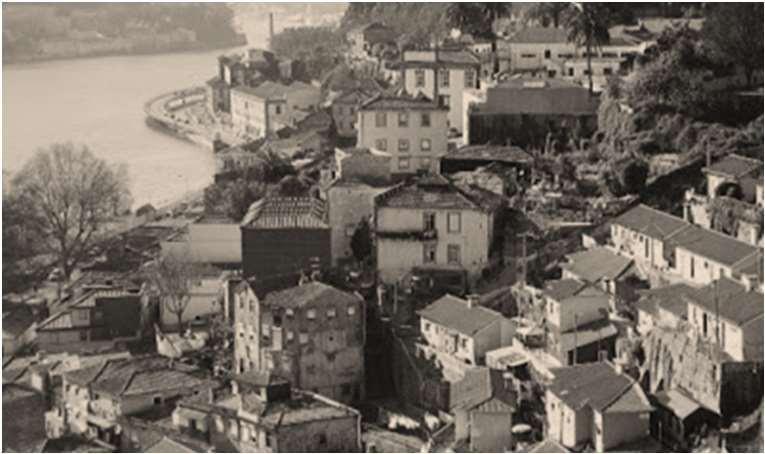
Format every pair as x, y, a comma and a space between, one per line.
74, 195
173, 276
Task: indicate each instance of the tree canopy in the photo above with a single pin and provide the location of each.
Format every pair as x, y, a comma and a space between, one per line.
173, 277
734, 34
73, 196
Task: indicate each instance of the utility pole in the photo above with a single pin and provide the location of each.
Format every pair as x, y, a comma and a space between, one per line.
576, 329
717, 313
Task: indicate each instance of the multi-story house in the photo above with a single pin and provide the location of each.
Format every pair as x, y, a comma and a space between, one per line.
263, 413
595, 403
662, 307
262, 110
603, 268
312, 334
104, 313
361, 174
433, 223
211, 239
729, 314
412, 129
464, 329
577, 325
443, 75
284, 236
364, 38
94, 397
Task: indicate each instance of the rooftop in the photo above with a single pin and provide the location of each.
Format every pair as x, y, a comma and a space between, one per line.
669, 298
537, 97
539, 35
267, 90
563, 288
401, 102
735, 303
650, 221
311, 294
548, 445
587, 334
677, 401
595, 264
286, 212
446, 57
258, 378
454, 313
509, 154
436, 192
734, 166
597, 385
712, 245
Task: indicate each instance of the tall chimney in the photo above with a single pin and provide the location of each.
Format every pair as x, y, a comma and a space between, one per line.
270, 29
472, 300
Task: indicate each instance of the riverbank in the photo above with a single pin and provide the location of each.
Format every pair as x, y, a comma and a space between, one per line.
191, 47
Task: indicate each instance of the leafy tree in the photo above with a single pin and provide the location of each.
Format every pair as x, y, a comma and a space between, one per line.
587, 26
73, 195
734, 31
293, 186
629, 177
233, 198
478, 19
361, 241
173, 277
547, 13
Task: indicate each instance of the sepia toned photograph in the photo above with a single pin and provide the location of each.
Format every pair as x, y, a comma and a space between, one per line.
382, 227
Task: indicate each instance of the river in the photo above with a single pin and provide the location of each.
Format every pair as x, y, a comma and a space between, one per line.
99, 102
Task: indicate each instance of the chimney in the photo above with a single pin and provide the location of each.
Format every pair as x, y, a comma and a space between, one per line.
748, 284
270, 29
472, 300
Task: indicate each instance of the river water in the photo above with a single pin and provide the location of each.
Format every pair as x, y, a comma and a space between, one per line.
99, 102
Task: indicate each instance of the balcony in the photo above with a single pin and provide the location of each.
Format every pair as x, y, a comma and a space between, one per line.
409, 235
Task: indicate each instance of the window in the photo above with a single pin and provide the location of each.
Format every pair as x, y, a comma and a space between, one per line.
289, 313
548, 54
349, 229
722, 334
381, 120
463, 343
429, 253
586, 72
403, 144
351, 310
83, 335
331, 313
469, 78
425, 163
443, 77
427, 326
425, 145
381, 144
444, 100
321, 440
419, 77
647, 249
607, 71
303, 338
528, 55
425, 120
278, 110
551, 73
571, 72
693, 268
311, 314
277, 321
453, 254
290, 336
403, 119
403, 163
454, 223
157, 400
429, 221
345, 389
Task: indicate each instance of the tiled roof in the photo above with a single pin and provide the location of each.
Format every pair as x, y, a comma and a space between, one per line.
595, 264
548, 446
750, 266
17, 320
401, 102
286, 212
446, 57
355, 96
734, 166
651, 222
266, 90
735, 303
454, 313
563, 288
587, 334
597, 385
301, 408
669, 298
537, 97
677, 401
434, 192
499, 153
311, 294
634, 400
712, 245
540, 35
167, 444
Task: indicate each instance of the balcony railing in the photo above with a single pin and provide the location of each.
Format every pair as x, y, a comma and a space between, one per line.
409, 235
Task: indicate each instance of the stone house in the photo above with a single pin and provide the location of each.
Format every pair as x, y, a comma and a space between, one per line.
95, 397
412, 129
266, 108
464, 329
730, 315
663, 306
595, 403
432, 222
442, 75
264, 413
603, 268
312, 334
282, 236
734, 169
345, 109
